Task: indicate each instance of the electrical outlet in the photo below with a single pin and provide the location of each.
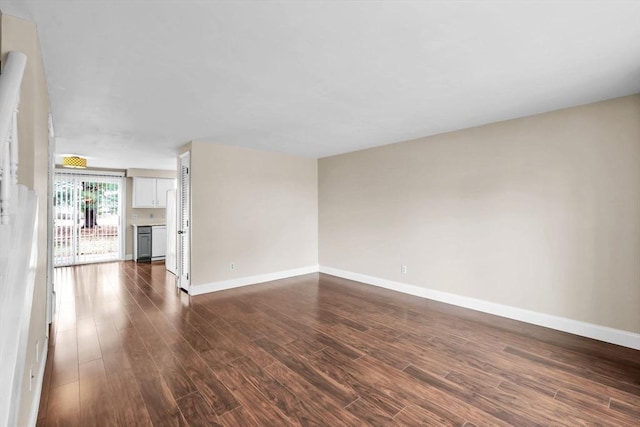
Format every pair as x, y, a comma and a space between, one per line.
232, 266
31, 377
403, 269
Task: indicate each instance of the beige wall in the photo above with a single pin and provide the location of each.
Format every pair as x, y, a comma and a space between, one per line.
540, 213
20, 35
253, 208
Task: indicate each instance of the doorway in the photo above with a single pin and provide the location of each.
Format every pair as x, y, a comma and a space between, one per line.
88, 220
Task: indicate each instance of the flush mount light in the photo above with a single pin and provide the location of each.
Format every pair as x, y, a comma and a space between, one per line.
74, 162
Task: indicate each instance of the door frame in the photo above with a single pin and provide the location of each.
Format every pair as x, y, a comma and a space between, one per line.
184, 224
51, 165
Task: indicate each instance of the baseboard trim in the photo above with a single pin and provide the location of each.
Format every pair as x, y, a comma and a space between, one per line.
250, 280
589, 330
128, 257
35, 404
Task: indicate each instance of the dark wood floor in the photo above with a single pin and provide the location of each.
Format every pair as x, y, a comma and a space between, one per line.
128, 349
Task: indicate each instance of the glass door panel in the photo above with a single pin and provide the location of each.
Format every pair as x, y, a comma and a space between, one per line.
87, 218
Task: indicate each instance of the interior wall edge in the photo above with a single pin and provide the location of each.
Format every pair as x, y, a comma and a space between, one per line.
584, 329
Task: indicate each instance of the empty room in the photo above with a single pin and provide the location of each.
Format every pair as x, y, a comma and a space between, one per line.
329, 213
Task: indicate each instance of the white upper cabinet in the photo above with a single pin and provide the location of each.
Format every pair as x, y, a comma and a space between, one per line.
151, 192
162, 186
144, 192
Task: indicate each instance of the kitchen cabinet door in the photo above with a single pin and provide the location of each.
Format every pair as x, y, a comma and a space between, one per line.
143, 247
144, 193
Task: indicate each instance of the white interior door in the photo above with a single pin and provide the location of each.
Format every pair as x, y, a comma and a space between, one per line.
184, 218
171, 260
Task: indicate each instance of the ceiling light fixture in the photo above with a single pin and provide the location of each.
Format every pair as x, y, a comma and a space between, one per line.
74, 162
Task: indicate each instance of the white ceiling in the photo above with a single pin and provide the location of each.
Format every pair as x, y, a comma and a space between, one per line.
130, 81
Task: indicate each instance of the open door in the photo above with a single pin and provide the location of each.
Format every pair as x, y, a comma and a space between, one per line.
171, 260
184, 218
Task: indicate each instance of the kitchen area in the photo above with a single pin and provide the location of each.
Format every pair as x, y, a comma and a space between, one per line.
150, 242
151, 217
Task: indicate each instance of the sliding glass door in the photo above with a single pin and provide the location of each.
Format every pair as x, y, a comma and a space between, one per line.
87, 218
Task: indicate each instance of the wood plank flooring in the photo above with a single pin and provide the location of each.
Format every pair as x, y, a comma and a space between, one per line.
129, 349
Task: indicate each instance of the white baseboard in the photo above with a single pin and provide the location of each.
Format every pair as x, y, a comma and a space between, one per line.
250, 280
35, 403
128, 257
589, 330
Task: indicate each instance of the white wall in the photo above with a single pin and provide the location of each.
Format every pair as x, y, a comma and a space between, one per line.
21, 35
540, 213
